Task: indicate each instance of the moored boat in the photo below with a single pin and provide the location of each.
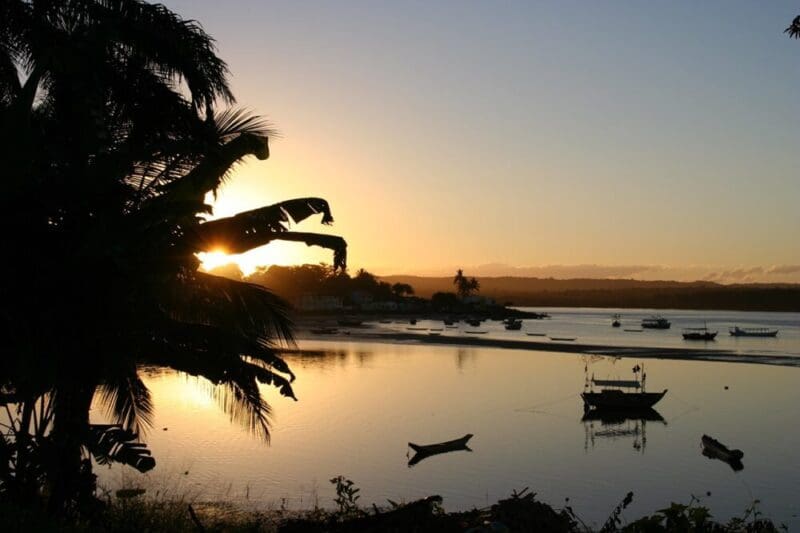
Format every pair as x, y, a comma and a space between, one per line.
699, 334
736, 331
656, 322
714, 449
615, 323
423, 451
620, 393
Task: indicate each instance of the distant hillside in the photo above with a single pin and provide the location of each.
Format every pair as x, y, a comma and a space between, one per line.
619, 293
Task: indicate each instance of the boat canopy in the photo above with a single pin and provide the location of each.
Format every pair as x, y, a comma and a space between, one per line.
617, 383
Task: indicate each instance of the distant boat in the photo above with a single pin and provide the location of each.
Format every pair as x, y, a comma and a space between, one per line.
565, 339
616, 321
385, 321
417, 329
513, 324
475, 322
535, 334
736, 331
477, 332
720, 450
699, 334
449, 321
618, 396
656, 322
412, 321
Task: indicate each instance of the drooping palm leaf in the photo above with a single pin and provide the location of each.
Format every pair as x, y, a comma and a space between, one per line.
127, 399
258, 227
794, 28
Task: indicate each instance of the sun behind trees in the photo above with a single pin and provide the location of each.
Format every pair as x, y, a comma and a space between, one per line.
116, 120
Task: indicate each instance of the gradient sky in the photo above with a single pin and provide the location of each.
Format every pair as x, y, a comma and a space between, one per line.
659, 136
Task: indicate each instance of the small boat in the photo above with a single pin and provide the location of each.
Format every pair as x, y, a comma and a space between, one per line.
736, 331
513, 324
434, 333
698, 334
714, 449
451, 327
633, 330
423, 451
615, 323
564, 339
412, 321
435, 329
324, 331
474, 322
623, 394
536, 334
656, 322
477, 332
721, 451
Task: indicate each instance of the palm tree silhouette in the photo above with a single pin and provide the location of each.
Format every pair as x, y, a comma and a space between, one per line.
115, 124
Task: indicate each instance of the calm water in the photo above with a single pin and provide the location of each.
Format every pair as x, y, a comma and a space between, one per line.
592, 326
360, 403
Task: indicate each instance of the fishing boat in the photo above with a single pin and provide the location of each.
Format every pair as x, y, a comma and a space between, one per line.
656, 322
698, 334
736, 331
513, 324
615, 322
620, 393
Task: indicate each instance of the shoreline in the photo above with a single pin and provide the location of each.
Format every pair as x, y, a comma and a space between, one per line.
641, 352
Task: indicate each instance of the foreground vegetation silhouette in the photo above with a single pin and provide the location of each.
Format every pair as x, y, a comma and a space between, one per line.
116, 122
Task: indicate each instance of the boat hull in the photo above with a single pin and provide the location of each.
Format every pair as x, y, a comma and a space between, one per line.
700, 336
736, 332
616, 399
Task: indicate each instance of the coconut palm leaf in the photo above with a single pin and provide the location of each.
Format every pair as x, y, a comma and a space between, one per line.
794, 28
127, 399
246, 309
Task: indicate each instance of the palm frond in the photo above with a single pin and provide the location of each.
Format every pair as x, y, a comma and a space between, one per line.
237, 121
258, 227
245, 309
127, 399
794, 28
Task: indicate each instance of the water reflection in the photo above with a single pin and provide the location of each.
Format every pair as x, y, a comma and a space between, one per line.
464, 356
619, 424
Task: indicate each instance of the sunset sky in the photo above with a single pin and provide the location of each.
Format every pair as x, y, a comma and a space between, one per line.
621, 139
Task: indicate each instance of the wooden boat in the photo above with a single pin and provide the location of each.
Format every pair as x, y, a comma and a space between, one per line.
562, 339
536, 334
656, 322
721, 451
698, 334
423, 451
622, 394
512, 324
615, 323
736, 331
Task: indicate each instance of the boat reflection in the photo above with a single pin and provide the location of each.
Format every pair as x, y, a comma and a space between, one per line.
614, 424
